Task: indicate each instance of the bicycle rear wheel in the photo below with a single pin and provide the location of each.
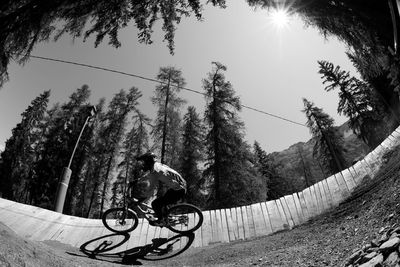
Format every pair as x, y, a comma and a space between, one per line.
184, 218
120, 220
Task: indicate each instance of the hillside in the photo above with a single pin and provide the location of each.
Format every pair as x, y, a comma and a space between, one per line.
291, 163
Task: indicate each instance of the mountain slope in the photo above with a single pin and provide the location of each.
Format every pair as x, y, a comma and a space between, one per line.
296, 158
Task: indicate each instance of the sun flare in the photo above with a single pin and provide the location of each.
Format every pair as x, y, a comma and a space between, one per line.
280, 18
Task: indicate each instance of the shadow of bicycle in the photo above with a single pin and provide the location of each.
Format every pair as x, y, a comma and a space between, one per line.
110, 248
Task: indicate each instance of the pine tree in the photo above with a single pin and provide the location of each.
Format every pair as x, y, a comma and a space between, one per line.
62, 130
308, 177
25, 23
357, 101
21, 151
136, 143
116, 118
328, 146
235, 181
275, 184
167, 128
192, 155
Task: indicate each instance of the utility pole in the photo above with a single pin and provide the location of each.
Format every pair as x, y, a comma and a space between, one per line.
66, 174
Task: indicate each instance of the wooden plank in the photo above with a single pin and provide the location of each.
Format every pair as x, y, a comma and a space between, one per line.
214, 227
362, 168
395, 135
89, 229
232, 225
267, 220
17, 213
334, 190
224, 226
240, 222
328, 194
250, 218
282, 214
56, 228
150, 234
387, 143
317, 198
277, 223
292, 209
258, 217
246, 225
197, 234
325, 195
143, 233
299, 211
71, 230
344, 190
310, 202
6, 203
348, 179
355, 175
28, 224
52, 219
287, 212
206, 229
324, 198
303, 207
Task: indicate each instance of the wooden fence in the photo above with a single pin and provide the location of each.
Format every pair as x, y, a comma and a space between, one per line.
223, 225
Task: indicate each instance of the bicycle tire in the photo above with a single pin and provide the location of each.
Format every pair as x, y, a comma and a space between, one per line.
112, 220
184, 218
158, 254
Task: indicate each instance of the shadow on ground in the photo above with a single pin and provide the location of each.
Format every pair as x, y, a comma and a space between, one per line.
111, 248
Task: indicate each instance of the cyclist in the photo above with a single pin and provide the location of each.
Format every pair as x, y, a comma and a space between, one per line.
156, 172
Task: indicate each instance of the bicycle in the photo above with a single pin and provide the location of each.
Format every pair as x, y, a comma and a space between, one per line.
181, 218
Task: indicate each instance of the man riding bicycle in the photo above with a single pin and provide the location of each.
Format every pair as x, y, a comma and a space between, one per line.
156, 172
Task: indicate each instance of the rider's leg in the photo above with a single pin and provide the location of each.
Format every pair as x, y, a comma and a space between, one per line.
170, 197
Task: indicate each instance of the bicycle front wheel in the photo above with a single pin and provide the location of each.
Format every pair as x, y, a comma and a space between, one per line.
184, 218
170, 247
120, 220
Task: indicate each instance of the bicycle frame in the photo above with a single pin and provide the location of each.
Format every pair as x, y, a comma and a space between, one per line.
141, 209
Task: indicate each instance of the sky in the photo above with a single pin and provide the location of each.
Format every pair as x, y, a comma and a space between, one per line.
271, 69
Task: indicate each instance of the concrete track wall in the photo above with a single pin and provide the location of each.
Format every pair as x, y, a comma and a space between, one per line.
223, 225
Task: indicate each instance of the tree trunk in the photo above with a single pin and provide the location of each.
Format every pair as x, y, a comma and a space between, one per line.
105, 185
165, 121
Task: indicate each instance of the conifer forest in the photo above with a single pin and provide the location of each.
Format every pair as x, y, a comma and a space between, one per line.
208, 148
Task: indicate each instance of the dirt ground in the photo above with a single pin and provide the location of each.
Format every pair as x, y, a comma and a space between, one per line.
325, 241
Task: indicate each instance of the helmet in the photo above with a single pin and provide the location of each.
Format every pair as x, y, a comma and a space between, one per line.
148, 157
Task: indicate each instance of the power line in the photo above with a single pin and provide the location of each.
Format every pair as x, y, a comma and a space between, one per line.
157, 81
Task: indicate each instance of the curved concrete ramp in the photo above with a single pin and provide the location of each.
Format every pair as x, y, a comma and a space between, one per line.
223, 225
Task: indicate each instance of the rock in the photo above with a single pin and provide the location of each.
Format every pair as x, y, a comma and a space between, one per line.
391, 244
396, 230
368, 257
383, 238
354, 257
381, 230
375, 262
392, 259
375, 243
366, 247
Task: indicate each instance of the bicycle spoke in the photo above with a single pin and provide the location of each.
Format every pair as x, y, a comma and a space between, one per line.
120, 220
184, 218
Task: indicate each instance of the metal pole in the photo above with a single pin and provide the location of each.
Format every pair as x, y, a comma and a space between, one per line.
66, 174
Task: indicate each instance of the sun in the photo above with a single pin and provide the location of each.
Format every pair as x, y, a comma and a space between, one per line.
279, 18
